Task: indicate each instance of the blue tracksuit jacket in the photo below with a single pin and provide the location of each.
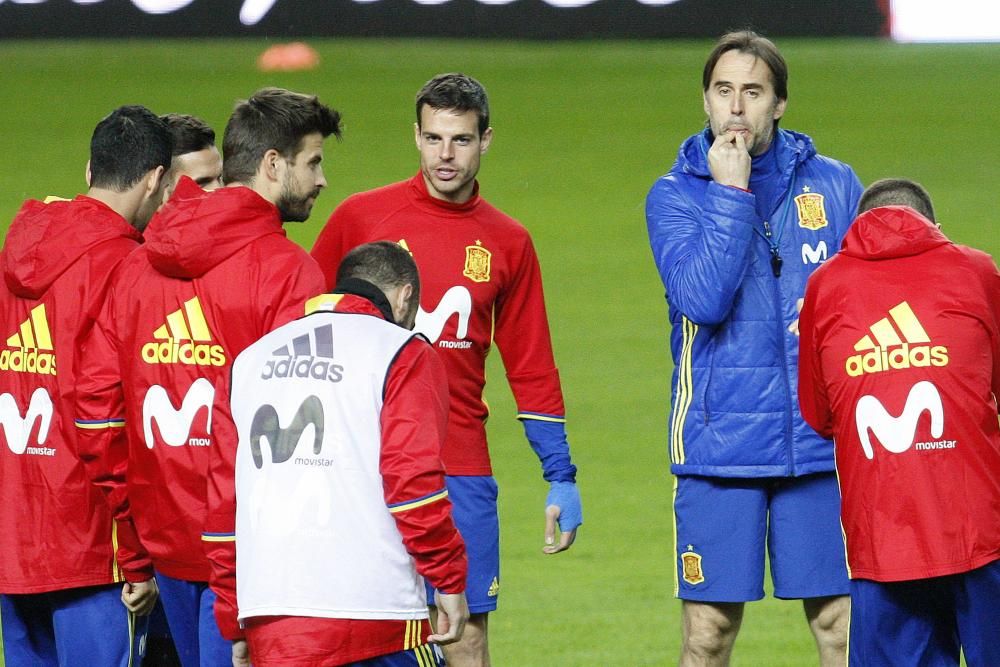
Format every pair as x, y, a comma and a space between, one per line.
734, 336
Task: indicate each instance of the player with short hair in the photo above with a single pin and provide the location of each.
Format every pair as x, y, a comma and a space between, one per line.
195, 154
480, 283
348, 492
216, 273
746, 213
900, 365
71, 557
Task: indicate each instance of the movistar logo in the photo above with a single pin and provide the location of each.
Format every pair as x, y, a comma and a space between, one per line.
900, 341
896, 433
30, 349
456, 301
185, 339
17, 429
302, 358
282, 442
815, 255
175, 424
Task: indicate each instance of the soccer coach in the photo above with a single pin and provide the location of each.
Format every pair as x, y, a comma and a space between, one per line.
746, 213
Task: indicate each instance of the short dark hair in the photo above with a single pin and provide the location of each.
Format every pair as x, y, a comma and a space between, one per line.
191, 134
127, 144
455, 91
272, 118
385, 264
897, 192
749, 42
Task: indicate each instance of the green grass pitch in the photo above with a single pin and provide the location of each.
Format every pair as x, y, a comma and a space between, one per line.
582, 130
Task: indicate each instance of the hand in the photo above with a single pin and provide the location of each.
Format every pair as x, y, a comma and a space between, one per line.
241, 653
729, 160
452, 614
563, 507
139, 597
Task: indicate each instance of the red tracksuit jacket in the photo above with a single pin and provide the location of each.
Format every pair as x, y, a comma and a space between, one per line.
215, 274
57, 530
900, 364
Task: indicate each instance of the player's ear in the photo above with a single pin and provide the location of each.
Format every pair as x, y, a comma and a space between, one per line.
271, 165
86, 173
416, 134
154, 178
485, 140
402, 300
779, 109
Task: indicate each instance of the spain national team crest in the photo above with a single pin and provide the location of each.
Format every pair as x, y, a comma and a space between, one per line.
812, 212
692, 567
477, 263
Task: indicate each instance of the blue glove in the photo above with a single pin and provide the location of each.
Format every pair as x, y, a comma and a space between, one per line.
566, 496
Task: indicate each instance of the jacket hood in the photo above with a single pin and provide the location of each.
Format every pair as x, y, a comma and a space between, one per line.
45, 239
196, 230
692, 158
891, 231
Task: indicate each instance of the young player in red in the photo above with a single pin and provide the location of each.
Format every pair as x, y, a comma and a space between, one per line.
341, 416
66, 549
481, 283
216, 273
900, 365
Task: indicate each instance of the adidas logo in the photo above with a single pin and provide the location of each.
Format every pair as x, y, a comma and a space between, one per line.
302, 360
494, 589
901, 343
186, 340
32, 346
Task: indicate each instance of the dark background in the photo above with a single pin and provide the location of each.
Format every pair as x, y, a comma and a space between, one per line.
526, 19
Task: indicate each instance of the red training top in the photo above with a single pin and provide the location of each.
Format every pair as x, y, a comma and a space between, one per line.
480, 281
900, 364
216, 273
59, 530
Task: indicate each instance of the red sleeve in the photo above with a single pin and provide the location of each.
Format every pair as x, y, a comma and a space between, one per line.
101, 441
522, 336
219, 534
813, 400
329, 247
414, 418
993, 295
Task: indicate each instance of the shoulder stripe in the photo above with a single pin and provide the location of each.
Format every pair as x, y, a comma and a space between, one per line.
683, 391
95, 424
418, 502
538, 416
218, 537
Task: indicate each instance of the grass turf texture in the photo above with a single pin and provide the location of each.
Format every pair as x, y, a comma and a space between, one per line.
582, 130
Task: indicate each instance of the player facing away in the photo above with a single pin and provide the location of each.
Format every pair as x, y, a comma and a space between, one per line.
215, 274
195, 154
481, 284
341, 503
900, 365
73, 576
743, 217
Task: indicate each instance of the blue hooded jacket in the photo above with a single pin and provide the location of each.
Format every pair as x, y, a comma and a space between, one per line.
734, 322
